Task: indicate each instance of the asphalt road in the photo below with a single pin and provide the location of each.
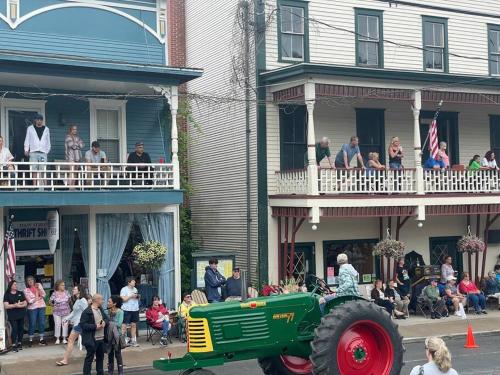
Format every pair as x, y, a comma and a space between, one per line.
482, 361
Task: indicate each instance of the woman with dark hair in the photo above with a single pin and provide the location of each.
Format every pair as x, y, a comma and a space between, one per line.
15, 304
114, 333
489, 161
157, 316
80, 301
378, 296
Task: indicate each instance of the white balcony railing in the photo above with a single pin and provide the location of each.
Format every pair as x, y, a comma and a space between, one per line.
454, 181
85, 176
292, 182
358, 181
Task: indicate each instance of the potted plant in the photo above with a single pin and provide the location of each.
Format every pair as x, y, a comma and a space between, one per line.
150, 255
470, 244
390, 248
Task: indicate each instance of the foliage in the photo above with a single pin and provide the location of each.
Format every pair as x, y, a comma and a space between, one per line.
149, 255
390, 248
470, 244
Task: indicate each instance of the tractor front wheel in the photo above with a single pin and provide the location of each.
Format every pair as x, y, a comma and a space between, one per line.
197, 371
286, 365
357, 338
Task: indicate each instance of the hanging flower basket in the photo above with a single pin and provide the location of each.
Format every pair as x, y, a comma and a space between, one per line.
150, 255
389, 248
470, 244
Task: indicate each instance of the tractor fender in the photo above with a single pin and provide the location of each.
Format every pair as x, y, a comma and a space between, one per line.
337, 301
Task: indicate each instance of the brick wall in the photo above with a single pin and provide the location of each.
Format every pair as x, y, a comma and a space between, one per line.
176, 21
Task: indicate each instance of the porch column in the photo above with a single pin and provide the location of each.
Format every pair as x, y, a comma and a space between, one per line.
174, 105
417, 146
2, 286
312, 167
92, 249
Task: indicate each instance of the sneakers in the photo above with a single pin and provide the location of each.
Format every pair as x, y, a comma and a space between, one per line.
42, 342
65, 341
30, 343
484, 312
127, 340
19, 346
134, 344
164, 341
58, 342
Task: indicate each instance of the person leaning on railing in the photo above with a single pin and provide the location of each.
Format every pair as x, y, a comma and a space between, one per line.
347, 153
95, 156
140, 159
322, 149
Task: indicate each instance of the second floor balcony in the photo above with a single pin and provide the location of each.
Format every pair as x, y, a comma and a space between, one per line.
402, 181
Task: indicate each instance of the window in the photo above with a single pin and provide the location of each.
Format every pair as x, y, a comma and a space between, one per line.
495, 134
370, 128
494, 49
435, 44
292, 31
107, 125
293, 146
369, 38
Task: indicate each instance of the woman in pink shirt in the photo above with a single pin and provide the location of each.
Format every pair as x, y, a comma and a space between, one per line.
35, 295
444, 156
474, 295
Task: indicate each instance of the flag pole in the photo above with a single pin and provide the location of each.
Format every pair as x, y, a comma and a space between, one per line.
3, 337
436, 115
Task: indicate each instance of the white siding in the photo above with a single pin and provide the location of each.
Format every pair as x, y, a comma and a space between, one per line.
217, 149
467, 34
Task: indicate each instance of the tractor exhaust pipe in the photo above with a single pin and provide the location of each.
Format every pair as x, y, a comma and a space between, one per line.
244, 287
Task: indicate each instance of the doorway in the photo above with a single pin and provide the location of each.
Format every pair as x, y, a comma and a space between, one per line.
18, 121
447, 126
304, 263
370, 129
442, 246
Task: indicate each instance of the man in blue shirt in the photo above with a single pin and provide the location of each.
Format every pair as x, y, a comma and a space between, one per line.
347, 153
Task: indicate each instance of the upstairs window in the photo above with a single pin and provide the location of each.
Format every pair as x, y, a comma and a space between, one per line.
292, 30
369, 38
435, 44
494, 49
108, 133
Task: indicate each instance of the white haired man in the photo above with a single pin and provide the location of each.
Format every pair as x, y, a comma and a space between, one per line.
322, 151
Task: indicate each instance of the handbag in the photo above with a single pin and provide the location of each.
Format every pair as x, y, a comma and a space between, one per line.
421, 370
123, 342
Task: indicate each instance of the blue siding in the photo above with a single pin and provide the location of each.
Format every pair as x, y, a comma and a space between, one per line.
143, 124
66, 31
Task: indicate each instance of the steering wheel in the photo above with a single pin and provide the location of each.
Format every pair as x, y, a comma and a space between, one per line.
319, 285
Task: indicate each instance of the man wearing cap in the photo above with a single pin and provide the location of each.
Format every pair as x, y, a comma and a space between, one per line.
37, 145
141, 158
452, 295
233, 285
434, 301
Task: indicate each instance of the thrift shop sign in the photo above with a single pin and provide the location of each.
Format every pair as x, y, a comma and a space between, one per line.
30, 230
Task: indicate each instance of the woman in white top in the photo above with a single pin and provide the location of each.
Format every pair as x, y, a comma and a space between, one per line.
439, 358
489, 161
5, 156
73, 145
447, 269
80, 303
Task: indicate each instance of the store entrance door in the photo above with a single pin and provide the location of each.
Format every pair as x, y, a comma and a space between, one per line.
303, 264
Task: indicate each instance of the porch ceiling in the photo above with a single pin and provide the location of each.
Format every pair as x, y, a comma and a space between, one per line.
75, 73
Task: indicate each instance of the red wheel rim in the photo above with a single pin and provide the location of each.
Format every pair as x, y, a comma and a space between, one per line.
365, 348
297, 365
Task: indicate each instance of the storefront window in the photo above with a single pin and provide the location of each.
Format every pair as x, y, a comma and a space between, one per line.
360, 253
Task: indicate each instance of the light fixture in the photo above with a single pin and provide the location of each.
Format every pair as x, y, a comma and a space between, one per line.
162, 27
420, 224
314, 227
13, 9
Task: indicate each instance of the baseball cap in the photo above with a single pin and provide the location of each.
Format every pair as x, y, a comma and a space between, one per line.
96, 144
38, 116
140, 143
433, 280
236, 269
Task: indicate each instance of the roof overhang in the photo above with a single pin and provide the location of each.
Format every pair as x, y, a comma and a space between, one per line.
18, 69
307, 70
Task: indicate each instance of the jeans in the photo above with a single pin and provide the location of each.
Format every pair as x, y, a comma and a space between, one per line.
98, 352
36, 316
386, 304
115, 353
395, 166
17, 330
478, 301
165, 327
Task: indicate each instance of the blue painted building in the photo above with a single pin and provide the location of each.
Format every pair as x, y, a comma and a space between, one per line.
104, 67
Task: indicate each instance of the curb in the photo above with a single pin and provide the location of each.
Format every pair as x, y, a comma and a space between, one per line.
410, 340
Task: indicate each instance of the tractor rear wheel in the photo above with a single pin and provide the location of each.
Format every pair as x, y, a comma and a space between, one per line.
286, 365
357, 338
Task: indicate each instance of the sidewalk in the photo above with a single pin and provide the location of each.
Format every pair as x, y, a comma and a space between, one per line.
41, 360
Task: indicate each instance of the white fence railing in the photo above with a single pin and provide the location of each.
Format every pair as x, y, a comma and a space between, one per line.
358, 181
85, 176
292, 182
454, 181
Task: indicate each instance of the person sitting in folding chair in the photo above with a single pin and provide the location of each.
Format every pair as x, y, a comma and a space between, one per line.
157, 317
184, 308
434, 301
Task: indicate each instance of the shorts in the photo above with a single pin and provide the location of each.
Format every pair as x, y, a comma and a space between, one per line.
130, 317
38, 157
77, 329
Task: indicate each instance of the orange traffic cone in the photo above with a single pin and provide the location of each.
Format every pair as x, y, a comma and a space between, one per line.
470, 343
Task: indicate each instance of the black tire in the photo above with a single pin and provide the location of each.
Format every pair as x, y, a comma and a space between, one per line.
333, 325
274, 366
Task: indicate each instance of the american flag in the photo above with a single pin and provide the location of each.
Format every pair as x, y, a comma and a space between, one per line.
10, 251
433, 139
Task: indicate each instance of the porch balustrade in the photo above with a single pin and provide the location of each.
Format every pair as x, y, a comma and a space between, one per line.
85, 176
403, 181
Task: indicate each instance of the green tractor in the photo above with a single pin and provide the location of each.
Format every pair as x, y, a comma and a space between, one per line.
293, 334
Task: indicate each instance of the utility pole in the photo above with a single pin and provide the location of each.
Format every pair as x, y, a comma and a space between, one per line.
244, 5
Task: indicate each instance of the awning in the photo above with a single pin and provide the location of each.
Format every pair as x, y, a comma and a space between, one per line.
20, 69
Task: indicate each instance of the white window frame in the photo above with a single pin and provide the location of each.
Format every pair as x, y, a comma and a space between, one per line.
494, 53
432, 48
303, 35
9, 104
113, 105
